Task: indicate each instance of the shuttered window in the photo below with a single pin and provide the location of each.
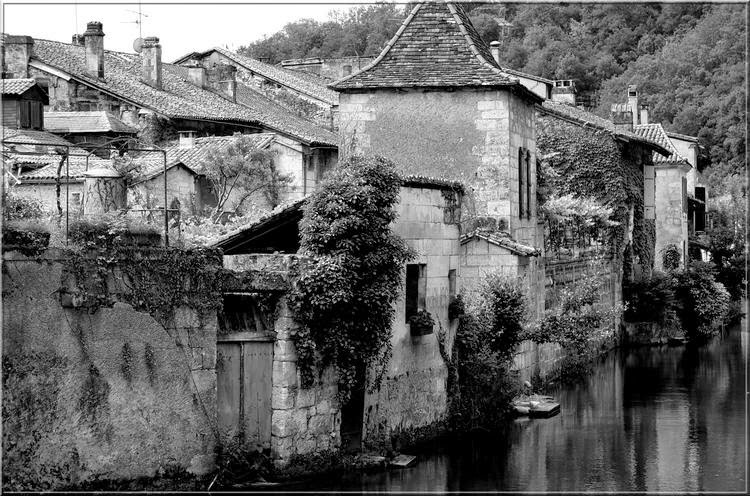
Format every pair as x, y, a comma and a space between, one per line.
521, 184
25, 108
37, 110
528, 184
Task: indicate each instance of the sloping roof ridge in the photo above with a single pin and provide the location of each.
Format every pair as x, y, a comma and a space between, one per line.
472, 46
515, 72
385, 49
501, 239
686, 137
81, 46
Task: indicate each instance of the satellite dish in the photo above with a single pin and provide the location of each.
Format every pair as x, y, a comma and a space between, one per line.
138, 45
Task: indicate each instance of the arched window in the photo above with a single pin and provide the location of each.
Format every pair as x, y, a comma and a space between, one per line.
521, 183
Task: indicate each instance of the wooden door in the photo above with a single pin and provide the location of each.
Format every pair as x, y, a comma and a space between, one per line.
244, 391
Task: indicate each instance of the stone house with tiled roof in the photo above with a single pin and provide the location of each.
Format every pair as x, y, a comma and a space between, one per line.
302, 93
90, 129
23, 102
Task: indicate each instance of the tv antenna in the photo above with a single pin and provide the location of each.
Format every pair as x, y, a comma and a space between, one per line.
138, 21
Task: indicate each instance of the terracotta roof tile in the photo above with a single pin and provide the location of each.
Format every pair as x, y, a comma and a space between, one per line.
656, 133
503, 240
17, 86
178, 98
43, 161
436, 46
282, 76
97, 121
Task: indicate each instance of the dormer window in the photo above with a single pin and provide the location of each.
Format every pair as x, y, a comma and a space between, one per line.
31, 114
187, 140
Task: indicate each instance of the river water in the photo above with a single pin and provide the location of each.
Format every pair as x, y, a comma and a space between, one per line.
648, 419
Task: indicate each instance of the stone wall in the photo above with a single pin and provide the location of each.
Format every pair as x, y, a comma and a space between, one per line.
671, 213
413, 394
465, 135
532, 359
98, 395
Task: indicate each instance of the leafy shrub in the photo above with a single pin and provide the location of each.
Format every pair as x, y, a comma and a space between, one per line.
577, 321
19, 207
421, 323
671, 257
111, 229
27, 237
487, 336
704, 303
456, 307
651, 299
343, 298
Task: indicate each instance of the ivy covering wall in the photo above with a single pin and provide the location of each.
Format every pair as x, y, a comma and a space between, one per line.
590, 162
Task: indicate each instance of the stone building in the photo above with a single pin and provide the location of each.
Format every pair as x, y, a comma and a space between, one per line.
301, 92
157, 98
412, 397
23, 102
671, 195
436, 102
91, 129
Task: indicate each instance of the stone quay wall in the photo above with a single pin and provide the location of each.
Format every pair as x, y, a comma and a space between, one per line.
101, 394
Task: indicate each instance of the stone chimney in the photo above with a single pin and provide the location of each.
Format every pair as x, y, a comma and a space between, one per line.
151, 62
94, 42
622, 116
644, 113
197, 75
78, 40
228, 81
633, 102
564, 91
187, 140
495, 50
16, 54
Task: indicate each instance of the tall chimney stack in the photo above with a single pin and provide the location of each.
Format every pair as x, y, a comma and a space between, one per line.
622, 116
495, 50
644, 113
633, 102
151, 62
94, 42
228, 81
197, 75
16, 55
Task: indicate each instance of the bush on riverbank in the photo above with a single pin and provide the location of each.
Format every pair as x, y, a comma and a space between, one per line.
487, 336
691, 299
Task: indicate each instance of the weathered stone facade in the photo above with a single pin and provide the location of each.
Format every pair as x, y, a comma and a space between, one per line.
671, 211
108, 394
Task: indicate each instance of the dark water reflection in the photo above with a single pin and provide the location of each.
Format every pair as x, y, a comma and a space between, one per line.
649, 419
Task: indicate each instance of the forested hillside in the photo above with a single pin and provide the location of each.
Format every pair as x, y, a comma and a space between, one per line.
687, 59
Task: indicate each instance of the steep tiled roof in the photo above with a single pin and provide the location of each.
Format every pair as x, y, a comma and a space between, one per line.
683, 137
502, 240
588, 119
284, 77
43, 160
436, 46
178, 98
656, 133
431, 182
275, 116
17, 86
97, 121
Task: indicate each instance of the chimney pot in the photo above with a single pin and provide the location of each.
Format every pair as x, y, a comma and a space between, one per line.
633, 102
187, 140
495, 50
94, 42
151, 62
644, 113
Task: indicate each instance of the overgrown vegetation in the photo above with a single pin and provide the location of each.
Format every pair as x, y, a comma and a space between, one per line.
575, 223
343, 297
488, 333
578, 321
691, 299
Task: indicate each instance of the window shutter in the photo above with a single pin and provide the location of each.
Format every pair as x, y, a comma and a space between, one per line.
521, 184
528, 184
648, 192
25, 113
36, 115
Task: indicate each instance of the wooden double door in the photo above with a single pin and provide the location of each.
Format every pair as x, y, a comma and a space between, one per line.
244, 382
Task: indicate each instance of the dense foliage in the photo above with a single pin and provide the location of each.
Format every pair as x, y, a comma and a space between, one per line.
703, 302
343, 298
16, 207
572, 221
590, 164
577, 321
651, 298
487, 336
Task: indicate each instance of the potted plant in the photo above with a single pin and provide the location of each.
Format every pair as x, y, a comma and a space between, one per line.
421, 323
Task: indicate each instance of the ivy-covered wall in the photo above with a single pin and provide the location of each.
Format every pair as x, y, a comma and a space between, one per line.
590, 162
95, 389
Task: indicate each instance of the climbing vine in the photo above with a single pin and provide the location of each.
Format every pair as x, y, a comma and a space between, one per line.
343, 297
590, 163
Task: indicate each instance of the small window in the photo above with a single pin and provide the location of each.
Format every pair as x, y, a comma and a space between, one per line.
75, 198
416, 286
451, 283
